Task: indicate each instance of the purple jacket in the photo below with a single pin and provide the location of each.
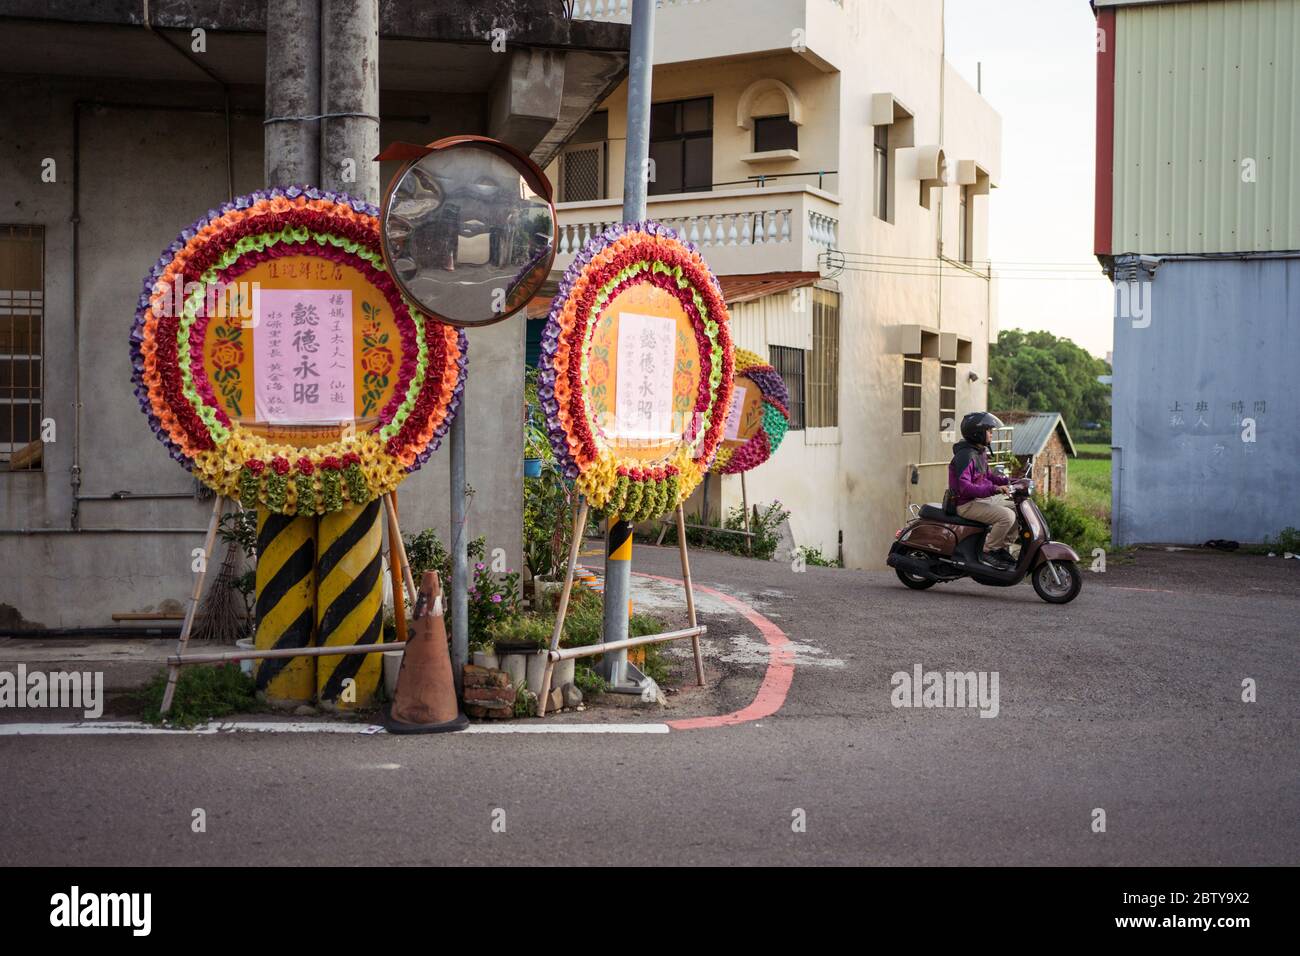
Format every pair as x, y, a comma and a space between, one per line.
968, 473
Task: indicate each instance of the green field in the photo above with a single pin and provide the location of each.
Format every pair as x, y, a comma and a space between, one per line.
1090, 480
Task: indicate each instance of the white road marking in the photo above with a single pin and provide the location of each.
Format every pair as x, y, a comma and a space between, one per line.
104, 728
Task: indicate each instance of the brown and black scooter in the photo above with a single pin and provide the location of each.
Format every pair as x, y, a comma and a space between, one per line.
939, 545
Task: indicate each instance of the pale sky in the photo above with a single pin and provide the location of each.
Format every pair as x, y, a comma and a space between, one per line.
1039, 73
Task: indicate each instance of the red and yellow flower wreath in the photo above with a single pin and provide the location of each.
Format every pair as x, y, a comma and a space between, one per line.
181, 404
624, 255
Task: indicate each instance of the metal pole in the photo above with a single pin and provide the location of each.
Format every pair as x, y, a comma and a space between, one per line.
459, 551
636, 168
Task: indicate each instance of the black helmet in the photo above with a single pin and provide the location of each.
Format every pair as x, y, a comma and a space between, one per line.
973, 425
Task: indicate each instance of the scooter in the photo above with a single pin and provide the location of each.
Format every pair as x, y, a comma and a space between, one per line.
939, 545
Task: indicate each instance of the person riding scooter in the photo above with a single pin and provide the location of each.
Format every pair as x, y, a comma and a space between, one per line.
978, 493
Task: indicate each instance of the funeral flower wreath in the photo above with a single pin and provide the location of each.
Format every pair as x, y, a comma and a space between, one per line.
174, 390
776, 417
624, 255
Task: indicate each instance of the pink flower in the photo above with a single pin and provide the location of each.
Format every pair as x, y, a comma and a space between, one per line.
496, 599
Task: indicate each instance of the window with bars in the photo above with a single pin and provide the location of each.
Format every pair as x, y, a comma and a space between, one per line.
911, 395
584, 161
789, 363
824, 361
22, 308
681, 146
947, 396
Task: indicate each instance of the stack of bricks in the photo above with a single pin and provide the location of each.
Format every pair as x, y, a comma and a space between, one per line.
488, 693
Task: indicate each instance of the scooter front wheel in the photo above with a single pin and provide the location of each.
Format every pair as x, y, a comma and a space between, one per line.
1058, 582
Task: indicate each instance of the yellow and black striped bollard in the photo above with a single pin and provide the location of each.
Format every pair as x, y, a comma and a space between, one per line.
286, 596
350, 603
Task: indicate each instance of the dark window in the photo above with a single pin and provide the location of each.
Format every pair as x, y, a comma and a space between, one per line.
775, 132
882, 173
824, 361
22, 306
789, 363
947, 396
911, 395
681, 146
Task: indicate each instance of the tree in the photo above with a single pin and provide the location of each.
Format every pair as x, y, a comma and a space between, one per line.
1036, 371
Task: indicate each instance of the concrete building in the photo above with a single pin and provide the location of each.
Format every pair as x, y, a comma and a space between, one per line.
1197, 221
825, 149
115, 133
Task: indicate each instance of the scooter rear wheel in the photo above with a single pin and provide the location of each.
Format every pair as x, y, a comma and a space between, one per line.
913, 581
1055, 591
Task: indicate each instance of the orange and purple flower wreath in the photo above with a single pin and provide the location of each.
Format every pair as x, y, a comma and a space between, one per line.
624, 255
181, 403
776, 417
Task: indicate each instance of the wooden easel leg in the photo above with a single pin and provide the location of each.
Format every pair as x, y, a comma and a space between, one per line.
174, 670
744, 500
690, 593
396, 565
579, 526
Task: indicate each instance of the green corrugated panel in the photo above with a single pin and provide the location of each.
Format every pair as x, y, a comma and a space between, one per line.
1200, 87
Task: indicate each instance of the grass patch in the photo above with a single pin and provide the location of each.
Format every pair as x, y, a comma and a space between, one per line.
1090, 486
1092, 450
203, 693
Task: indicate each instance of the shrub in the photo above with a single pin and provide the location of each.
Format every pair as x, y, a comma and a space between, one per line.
813, 557
765, 525
1073, 525
203, 693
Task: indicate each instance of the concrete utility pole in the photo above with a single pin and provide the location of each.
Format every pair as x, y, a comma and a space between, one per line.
618, 537
292, 152
349, 97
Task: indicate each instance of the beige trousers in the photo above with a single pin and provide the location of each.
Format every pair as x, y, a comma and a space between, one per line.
995, 511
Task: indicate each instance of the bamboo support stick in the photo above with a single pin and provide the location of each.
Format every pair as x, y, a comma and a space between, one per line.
270, 653
395, 568
589, 650
173, 671
401, 551
579, 526
690, 593
744, 500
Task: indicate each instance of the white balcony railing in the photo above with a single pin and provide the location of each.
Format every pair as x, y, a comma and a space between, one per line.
782, 228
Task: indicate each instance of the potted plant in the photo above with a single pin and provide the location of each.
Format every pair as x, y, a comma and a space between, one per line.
548, 530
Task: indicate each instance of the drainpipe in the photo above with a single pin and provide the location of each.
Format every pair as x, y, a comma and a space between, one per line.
76, 315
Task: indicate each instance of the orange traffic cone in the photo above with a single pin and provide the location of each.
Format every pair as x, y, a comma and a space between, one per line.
425, 701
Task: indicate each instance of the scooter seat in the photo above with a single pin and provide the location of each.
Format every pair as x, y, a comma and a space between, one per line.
936, 513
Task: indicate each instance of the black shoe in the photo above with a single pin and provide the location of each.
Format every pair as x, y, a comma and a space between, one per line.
1002, 554
994, 560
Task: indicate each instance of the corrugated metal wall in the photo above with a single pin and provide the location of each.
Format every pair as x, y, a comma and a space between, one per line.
1200, 87
772, 320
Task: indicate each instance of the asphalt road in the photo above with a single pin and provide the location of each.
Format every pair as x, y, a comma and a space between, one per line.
1127, 700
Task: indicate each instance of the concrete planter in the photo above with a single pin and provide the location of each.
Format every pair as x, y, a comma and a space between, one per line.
563, 673
486, 659
536, 664
516, 665
392, 666
546, 591
248, 665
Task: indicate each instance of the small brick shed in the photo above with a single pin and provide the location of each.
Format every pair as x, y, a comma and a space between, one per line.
1043, 435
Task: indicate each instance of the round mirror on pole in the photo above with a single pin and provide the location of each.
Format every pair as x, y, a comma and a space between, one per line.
468, 228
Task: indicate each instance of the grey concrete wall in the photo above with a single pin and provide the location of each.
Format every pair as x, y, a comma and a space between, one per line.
145, 175
1221, 332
